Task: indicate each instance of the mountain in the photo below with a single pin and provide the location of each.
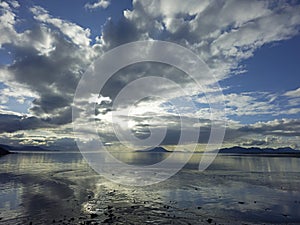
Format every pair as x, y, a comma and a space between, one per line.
154, 150
23, 148
255, 150
234, 150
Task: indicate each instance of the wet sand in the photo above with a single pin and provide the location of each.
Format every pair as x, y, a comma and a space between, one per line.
63, 189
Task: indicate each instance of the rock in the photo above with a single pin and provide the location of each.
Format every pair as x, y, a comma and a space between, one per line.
209, 220
93, 215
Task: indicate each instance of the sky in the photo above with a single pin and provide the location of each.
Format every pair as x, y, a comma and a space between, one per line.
251, 47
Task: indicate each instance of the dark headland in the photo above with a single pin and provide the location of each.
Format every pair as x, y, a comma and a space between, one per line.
3, 151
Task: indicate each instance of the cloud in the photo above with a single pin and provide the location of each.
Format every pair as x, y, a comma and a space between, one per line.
49, 59
277, 127
254, 104
15, 3
99, 4
12, 123
115, 34
51, 55
255, 143
274, 133
7, 22
291, 104
278, 132
51, 137
293, 93
77, 34
245, 103
222, 32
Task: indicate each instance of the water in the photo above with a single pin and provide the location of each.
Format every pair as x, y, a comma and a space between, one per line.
61, 188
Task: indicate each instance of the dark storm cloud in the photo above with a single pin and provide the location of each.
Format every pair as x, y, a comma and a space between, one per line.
139, 70
121, 32
49, 102
12, 123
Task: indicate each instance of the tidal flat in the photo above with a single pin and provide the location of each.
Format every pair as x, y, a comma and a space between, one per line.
61, 188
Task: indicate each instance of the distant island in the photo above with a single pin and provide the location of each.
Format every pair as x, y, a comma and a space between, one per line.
154, 150
256, 150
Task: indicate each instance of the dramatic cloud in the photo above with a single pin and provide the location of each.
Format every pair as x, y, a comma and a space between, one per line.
12, 123
48, 65
51, 54
221, 32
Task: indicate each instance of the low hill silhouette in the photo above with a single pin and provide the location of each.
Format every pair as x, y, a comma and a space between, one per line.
158, 149
256, 150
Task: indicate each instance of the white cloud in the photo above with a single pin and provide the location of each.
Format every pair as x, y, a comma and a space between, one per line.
7, 22
222, 33
245, 104
249, 104
291, 111
95, 98
242, 41
14, 3
99, 4
293, 101
18, 92
279, 127
77, 34
3, 99
293, 93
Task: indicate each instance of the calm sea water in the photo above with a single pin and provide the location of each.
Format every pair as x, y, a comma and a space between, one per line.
61, 188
